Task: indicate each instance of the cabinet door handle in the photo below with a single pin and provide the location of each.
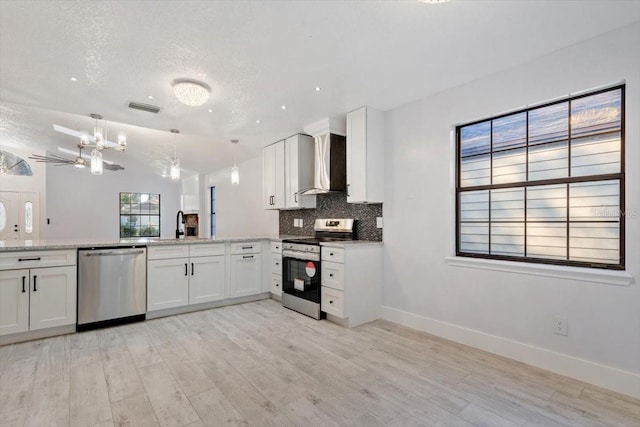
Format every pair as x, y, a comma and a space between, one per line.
24, 278
330, 301
295, 197
35, 288
186, 269
192, 269
247, 247
330, 253
330, 274
247, 256
29, 259
348, 195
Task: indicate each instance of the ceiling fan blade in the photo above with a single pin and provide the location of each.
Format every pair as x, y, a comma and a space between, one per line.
50, 159
112, 166
84, 155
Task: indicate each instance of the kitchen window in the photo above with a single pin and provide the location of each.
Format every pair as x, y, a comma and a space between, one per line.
139, 215
545, 184
213, 211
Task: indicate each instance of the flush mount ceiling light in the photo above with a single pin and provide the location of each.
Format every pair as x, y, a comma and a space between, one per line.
190, 92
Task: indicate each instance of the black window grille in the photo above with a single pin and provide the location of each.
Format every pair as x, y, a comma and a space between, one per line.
139, 215
545, 184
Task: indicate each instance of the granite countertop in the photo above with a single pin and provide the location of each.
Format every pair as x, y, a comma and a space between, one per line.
34, 245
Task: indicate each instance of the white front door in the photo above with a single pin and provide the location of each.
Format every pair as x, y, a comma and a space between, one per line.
19, 216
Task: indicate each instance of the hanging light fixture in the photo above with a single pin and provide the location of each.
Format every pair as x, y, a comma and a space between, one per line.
99, 139
190, 92
96, 162
235, 172
174, 168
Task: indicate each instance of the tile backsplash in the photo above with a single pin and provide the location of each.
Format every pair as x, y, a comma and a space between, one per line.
334, 205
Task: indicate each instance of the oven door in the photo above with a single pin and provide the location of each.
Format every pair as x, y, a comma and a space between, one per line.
301, 278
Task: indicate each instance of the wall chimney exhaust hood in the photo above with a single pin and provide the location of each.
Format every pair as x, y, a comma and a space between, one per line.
330, 159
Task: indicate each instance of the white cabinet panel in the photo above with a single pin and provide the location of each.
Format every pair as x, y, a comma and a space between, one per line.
276, 285
53, 297
332, 254
205, 249
167, 283
14, 301
246, 275
168, 251
332, 275
299, 168
206, 282
365, 156
332, 301
276, 264
276, 247
273, 176
33, 259
245, 248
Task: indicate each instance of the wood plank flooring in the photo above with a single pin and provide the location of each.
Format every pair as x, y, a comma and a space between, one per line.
259, 364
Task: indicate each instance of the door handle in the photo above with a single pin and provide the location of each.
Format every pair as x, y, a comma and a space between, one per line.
186, 269
24, 278
35, 289
247, 256
192, 269
29, 259
295, 197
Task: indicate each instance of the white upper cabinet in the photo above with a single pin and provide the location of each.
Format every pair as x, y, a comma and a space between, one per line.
365, 156
273, 176
299, 164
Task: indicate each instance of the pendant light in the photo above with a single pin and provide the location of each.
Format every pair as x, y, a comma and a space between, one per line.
96, 162
174, 169
235, 172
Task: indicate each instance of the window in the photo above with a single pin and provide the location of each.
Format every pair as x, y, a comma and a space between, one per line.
139, 215
213, 211
545, 184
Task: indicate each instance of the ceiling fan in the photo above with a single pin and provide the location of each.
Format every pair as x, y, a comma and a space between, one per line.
81, 161
98, 142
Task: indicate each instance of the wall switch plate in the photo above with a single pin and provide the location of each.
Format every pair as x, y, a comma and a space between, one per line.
560, 325
379, 222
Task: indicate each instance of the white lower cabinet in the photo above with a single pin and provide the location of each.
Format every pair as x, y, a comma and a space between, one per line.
276, 269
177, 282
206, 282
351, 288
167, 283
246, 275
37, 298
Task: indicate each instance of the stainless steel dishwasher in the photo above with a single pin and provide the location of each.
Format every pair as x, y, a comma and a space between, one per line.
112, 286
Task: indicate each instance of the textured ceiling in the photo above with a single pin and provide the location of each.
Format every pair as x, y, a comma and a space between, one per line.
257, 56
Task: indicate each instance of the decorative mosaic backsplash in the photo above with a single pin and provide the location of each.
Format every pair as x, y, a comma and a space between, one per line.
334, 205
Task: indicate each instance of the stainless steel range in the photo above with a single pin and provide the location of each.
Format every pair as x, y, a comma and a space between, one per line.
301, 269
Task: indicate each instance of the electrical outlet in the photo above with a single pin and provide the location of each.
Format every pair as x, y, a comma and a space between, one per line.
560, 325
295, 222
300, 223
379, 222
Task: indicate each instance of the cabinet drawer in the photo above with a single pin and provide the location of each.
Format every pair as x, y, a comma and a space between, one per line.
332, 254
332, 301
206, 249
276, 247
33, 259
245, 248
276, 284
333, 275
276, 264
167, 252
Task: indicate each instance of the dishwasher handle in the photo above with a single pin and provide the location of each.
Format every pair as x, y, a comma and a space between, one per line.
114, 252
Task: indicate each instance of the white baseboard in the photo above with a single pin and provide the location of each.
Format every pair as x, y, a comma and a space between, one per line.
594, 373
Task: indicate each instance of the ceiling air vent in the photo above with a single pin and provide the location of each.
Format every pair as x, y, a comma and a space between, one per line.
144, 107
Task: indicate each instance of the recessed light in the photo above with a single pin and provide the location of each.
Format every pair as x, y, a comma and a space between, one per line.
284, 107
150, 96
318, 89
258, 121
210, 110
73, 79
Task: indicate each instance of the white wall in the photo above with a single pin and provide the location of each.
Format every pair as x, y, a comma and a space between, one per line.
86, 207
510, 313
239, 210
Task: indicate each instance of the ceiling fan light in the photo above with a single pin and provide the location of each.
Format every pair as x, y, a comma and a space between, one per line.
98, 135
80, 163
122, 140
191, 92
84, 137
174, 170
96, 162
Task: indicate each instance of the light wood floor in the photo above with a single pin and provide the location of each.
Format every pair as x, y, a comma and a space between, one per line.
259, 364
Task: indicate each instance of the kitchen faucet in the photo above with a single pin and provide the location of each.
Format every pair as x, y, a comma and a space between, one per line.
178, 232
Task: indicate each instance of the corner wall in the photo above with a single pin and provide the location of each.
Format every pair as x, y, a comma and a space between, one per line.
510, 313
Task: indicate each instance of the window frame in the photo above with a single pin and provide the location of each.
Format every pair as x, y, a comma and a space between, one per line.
620, 176
120, 214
